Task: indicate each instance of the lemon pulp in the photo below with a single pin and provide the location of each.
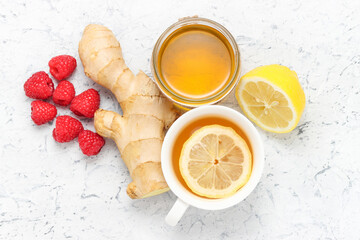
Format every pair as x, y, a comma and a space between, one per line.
272, 97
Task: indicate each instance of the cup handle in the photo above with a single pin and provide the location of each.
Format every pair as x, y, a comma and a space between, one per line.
176, 212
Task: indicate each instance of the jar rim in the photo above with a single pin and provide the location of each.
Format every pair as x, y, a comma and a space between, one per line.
188, 102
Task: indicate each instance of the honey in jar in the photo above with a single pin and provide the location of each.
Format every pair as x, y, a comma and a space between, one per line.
196, 62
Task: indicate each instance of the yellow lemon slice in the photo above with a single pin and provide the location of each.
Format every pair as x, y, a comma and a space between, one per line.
272, 97
215, 162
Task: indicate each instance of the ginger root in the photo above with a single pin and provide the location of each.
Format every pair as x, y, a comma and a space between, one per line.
139, 133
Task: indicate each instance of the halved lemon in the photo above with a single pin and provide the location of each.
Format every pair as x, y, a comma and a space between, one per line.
215, 162
272, 97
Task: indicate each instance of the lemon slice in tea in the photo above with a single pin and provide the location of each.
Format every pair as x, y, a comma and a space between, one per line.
215, 162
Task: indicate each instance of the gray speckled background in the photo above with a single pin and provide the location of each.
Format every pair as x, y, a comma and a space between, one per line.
310, 187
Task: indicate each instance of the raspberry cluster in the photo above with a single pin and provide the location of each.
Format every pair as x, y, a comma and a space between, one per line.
40, 86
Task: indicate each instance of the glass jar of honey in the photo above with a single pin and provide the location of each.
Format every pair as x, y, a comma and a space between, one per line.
195, 62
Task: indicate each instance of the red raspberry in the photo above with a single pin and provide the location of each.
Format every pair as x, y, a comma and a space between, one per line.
86, 103
90, 142
39, 86
66, 128
62, 66
64, 93
42, 112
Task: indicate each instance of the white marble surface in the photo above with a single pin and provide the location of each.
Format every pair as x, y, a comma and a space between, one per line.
310, 187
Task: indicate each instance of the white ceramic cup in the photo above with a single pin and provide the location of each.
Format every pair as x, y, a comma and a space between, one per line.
185, 197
